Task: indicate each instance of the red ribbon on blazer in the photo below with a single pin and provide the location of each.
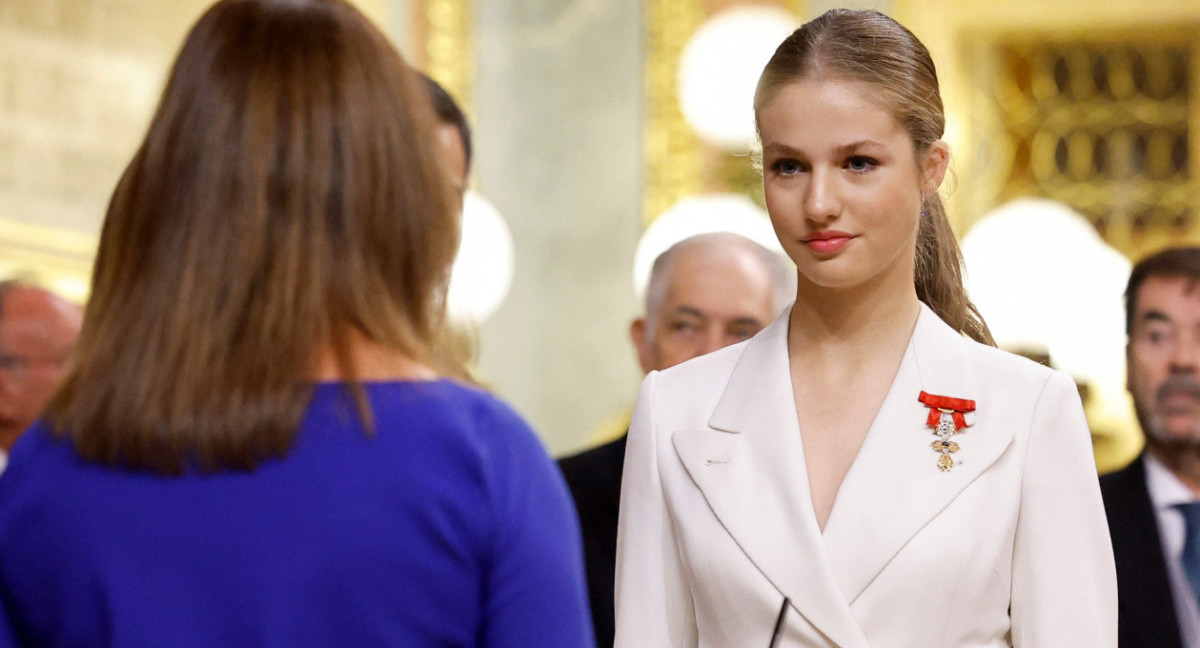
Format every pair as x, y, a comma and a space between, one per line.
958, 406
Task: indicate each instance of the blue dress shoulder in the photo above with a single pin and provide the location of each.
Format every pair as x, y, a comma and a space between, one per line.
449, 526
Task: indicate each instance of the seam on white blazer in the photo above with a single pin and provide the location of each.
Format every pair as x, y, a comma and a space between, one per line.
689, 634
1029, 427
1033, 415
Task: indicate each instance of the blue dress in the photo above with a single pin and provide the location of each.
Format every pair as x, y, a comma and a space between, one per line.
449, 526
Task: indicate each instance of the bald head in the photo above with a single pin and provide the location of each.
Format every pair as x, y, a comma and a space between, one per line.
707, 292
37, 330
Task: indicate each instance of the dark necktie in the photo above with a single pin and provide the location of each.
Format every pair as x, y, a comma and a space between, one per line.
1191, 546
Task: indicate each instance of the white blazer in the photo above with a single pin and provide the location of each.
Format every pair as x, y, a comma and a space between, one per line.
1008, 548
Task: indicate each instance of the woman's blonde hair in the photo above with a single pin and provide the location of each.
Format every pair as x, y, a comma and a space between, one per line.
287, 198
870, 48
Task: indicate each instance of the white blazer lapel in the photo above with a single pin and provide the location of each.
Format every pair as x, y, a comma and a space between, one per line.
750, 467
895, 487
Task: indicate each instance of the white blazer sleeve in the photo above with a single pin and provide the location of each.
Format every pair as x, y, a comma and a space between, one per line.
1064, 587
653, 606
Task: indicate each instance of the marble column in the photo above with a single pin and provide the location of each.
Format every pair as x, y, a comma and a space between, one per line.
558, 117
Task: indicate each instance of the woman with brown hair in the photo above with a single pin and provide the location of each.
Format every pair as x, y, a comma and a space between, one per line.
251, 447
869, 461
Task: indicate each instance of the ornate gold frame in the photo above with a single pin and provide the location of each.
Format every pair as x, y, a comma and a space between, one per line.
983, 181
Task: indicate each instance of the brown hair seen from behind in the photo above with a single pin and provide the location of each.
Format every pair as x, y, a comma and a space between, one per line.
287, 198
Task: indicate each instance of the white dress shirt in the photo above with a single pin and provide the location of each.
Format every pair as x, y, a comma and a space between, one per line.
1166, 491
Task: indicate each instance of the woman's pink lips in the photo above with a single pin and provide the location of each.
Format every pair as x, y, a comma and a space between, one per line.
828, 243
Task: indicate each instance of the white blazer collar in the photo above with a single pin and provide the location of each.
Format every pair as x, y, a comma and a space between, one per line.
750, 466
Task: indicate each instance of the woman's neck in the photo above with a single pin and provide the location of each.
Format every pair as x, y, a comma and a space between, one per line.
858, 322
372, 362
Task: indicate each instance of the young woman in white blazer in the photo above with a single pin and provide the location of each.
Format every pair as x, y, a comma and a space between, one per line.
869, 456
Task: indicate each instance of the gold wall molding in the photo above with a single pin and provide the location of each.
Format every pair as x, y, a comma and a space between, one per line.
674, 155
677, 163
59, 257
450, 47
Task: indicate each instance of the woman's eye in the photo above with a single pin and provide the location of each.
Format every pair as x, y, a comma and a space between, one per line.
859, 163
786, 167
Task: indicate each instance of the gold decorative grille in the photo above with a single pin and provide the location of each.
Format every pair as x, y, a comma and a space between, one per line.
677, 163
1104, 123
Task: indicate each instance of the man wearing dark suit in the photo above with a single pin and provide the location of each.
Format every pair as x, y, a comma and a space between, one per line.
1153, 505
704, 293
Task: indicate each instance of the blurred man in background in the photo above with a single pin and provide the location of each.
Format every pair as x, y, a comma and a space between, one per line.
704, 293
1153, 505
37, 330
453, 132
457, 344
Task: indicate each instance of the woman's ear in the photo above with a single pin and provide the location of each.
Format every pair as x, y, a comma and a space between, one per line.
934, 163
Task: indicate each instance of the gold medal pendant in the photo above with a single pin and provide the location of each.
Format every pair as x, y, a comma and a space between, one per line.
944, 446
947, 418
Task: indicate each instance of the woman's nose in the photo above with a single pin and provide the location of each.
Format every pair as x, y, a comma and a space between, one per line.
822, 201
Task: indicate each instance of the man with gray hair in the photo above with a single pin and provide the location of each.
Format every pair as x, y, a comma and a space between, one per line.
37, 330
705, 292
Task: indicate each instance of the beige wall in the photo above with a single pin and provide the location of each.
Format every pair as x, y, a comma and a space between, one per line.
79, 80
558, 117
